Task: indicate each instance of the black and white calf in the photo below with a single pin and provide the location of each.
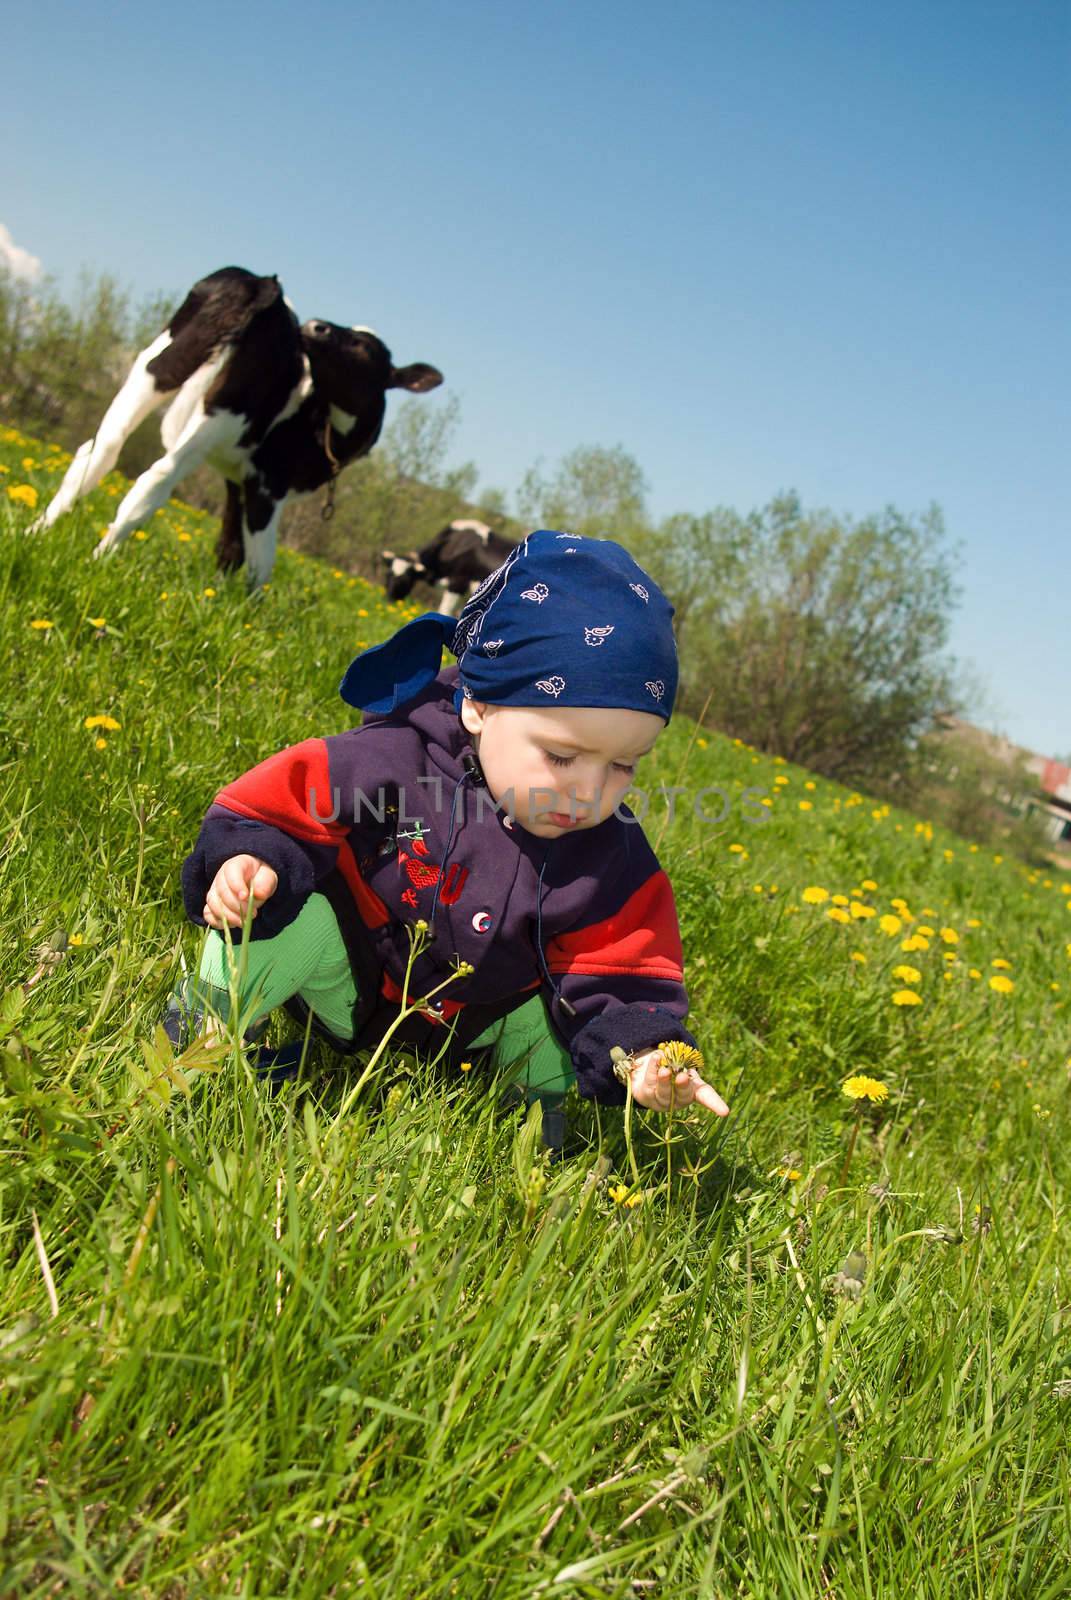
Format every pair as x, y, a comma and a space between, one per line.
460, 557
278, 409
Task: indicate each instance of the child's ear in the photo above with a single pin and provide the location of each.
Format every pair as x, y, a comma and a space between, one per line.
473, 715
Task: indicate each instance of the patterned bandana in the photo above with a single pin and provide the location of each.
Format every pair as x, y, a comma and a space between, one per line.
564, 621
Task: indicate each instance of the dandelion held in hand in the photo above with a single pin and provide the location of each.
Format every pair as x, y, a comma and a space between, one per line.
683, 1057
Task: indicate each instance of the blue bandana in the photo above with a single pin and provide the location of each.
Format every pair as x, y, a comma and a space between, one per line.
564, 621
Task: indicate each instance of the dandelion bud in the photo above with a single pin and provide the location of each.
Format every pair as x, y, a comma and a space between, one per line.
849, 1281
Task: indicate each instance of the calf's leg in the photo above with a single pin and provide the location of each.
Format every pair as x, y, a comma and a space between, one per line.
135, 400
260, 540
201, 436
230, 550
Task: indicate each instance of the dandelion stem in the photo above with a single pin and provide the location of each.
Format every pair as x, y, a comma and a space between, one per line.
851, 1146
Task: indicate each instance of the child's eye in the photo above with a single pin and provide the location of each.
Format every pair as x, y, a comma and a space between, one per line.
625, 766
559, 761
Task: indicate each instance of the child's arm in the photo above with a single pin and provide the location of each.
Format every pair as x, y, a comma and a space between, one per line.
279, 815
617, 979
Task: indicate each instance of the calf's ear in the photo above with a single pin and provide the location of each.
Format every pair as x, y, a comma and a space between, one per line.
387, 555
418, 378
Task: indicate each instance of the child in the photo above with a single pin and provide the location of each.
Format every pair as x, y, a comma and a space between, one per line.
481, 802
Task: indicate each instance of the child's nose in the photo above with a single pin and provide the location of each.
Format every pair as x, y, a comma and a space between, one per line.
586, 791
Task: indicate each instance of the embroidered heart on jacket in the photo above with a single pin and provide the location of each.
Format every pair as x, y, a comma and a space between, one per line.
420, 876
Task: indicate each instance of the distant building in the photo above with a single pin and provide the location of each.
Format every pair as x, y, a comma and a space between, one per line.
1038, 786
1053, 799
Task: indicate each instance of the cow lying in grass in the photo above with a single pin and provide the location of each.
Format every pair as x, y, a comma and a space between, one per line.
459, 557
278, 409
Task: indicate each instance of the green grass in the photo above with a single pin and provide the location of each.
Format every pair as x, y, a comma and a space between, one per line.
394, 1353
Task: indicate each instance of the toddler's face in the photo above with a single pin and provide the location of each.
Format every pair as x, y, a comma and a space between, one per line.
557, 770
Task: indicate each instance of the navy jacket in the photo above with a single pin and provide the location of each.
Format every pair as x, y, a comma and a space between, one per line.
397, 811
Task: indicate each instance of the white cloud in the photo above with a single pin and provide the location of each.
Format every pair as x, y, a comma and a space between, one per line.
19, 262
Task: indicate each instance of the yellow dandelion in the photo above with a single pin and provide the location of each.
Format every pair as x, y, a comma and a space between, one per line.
868, 883
914, 941
973, 972
466, 1066
42, 624
810, 784
925, 929
1000, 964
857, 955
737, 850
840, 899
619, 1193
685, 1057
184, 538
890, 924
1001, 985
100, 744
907, 974
861, 1087
806, 805
96, 622
790, 1174
906, 997
815, 895
860, 911
780, 779
23, 494
949, 955
973, 922
702, 743
164, 595
139, 533
209, 593
838, 914
950, 936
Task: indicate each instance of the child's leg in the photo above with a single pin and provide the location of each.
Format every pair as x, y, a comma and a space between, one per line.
308, 958
529, 1053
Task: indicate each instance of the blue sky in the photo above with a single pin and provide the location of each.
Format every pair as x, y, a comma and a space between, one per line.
768, 245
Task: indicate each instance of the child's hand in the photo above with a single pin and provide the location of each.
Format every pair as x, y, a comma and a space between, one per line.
236, 880
658, 1087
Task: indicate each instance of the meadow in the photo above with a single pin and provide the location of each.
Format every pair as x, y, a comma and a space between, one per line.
308, 1344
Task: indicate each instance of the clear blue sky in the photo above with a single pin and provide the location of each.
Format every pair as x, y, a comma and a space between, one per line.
762, 245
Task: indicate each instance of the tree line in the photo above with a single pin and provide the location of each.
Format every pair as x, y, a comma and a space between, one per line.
812, 635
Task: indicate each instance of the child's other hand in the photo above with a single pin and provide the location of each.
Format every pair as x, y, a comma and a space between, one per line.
658, 1087
236, 880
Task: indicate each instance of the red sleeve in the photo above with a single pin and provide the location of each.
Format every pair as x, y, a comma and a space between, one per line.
290, 791
641, 939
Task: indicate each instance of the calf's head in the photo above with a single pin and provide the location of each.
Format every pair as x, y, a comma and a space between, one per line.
352, 371
401, 573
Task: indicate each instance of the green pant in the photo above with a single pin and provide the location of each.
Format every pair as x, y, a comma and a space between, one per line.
309, 959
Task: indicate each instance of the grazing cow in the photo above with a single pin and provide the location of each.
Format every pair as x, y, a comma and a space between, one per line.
460, 557
279, 410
